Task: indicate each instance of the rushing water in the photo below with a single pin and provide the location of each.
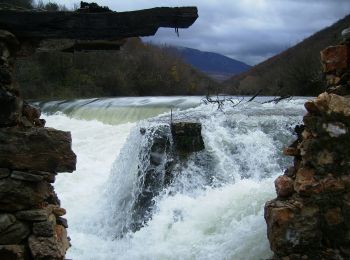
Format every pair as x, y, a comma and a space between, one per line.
213, 208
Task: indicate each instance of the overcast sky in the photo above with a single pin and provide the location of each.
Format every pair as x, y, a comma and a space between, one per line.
247, 30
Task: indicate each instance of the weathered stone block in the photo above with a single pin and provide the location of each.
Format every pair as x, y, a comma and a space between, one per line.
13, 252
6, 220
33, 215
18, 195
41, 149
291, 151
187, 136
335, 57
54, 248
47, 176
4, 173
26, 176
14, 234
62, 221
10, 108
292, 227
284, 186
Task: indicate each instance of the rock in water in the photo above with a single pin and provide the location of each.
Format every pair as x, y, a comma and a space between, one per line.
187, 137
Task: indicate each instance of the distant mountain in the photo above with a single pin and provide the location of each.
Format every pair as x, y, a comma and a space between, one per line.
296, 71
213, 64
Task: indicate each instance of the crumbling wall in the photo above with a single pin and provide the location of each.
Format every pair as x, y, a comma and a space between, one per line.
31, 222
310, 218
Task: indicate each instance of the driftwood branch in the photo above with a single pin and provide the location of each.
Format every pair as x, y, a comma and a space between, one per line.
278, 99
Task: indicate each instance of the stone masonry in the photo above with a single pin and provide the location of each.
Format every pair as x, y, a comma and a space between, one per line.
31, 222
310, 218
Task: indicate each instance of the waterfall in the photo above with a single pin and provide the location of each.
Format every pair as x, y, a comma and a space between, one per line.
211, 206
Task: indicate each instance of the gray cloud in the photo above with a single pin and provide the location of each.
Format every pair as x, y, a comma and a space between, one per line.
247, 30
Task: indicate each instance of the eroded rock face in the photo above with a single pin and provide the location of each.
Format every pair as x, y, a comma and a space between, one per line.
30, 157
310, 217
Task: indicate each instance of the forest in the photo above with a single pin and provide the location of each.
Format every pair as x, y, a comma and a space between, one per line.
138, 69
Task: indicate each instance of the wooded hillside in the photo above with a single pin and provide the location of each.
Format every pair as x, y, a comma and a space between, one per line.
138, 69
296, 71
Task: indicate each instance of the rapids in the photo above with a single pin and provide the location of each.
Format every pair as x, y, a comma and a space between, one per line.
213, 209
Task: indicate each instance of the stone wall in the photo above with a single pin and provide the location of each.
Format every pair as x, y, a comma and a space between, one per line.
31, 222
310, 218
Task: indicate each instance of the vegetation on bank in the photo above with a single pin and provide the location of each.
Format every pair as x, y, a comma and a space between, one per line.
39, 4
296, 71
138, 69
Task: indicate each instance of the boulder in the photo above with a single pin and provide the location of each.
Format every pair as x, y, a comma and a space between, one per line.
47, 176
10, 40
31, 113
331, 103
40, 149
62, 221
45, 228
305, 183
58, 211
25, 176
155, 176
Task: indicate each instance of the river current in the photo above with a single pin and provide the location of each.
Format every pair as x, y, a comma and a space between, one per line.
213, 208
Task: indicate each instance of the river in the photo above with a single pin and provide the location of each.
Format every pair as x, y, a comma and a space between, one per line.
213, 208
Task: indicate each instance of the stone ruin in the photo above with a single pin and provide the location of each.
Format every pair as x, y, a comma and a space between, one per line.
310, 218
32, 225
31, 222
